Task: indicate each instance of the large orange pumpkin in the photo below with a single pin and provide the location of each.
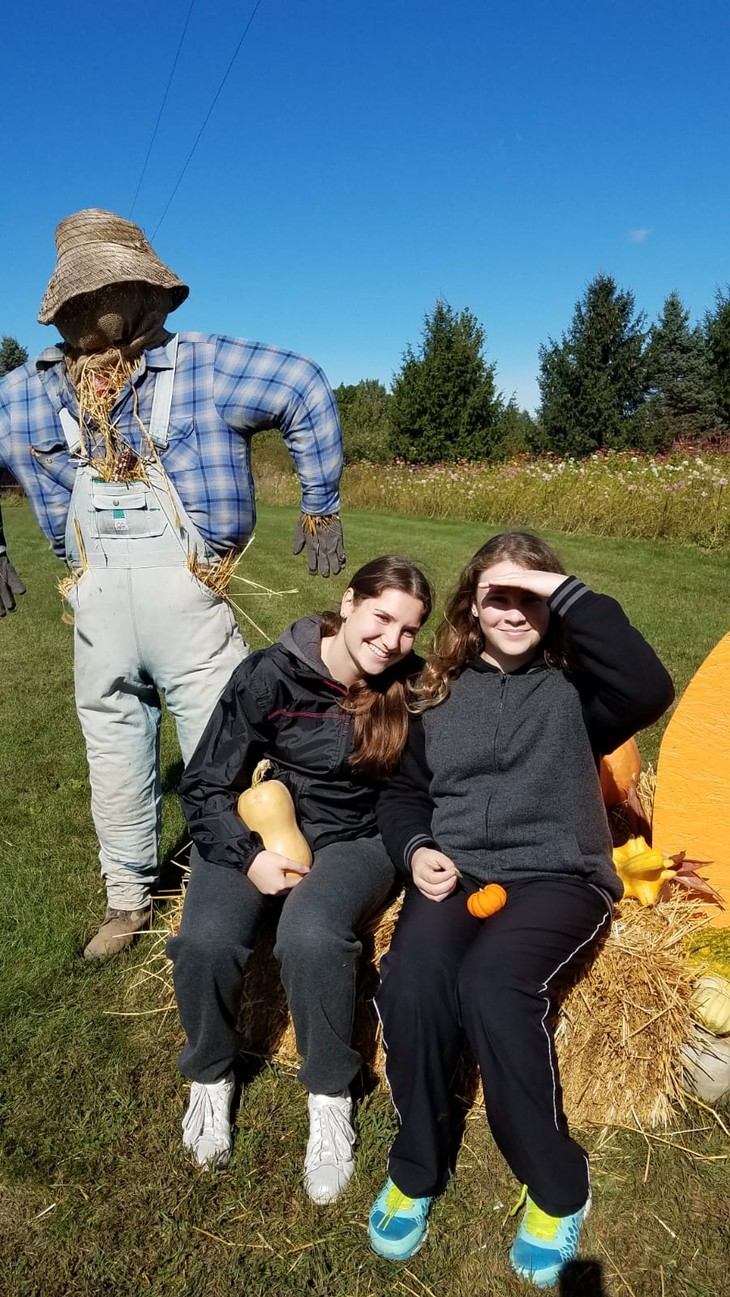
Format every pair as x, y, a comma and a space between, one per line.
692, 801
619, 772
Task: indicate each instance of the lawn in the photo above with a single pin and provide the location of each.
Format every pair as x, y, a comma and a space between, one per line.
96, 1195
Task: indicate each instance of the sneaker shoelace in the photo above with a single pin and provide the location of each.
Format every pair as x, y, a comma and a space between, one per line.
395, 1202
539, 1224
204, 1108
333, 1136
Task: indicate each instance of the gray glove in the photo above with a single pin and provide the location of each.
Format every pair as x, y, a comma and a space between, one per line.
322, 535
10, 585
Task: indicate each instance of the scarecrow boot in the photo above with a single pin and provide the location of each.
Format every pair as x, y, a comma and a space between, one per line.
116, 932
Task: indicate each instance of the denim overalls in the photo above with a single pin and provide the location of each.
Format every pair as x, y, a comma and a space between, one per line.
145, 626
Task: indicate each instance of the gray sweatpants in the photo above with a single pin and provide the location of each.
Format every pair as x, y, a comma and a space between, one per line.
317, 946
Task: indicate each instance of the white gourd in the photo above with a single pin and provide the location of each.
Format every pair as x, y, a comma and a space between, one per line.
706, 1060
710, 1003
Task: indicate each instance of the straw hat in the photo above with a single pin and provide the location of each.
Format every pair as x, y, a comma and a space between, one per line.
97, 248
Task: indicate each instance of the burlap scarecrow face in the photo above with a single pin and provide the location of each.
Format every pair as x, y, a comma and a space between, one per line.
126, 316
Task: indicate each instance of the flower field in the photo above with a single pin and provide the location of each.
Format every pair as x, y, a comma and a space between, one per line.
681, 496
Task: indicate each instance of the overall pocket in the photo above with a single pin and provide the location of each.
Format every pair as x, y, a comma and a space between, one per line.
125, 510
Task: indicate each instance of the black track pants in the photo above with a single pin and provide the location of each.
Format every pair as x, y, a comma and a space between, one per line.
317, 946
449, 976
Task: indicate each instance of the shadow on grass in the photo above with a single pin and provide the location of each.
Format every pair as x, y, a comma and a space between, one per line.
582, 1279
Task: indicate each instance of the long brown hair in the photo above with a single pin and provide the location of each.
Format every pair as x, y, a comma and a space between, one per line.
458, 638
378, 705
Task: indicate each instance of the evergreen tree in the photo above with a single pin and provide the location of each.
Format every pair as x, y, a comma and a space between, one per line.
363, 411
515, 432
681, 404
444, 404
11, 354
593, 382
717, 333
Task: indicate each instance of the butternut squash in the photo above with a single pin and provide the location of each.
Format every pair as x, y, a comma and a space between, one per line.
267, 809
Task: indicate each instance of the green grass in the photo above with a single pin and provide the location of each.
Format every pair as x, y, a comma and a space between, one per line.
95, 1194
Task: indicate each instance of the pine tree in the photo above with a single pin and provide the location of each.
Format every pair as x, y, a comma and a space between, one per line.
11, 354
681, 404
514, 433
444, 404
717, 333
593, 382
363, 411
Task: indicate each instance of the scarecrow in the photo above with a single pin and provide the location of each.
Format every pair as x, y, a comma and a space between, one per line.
133, 446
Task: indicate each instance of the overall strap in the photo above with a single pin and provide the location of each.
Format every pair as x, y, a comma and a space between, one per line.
70, 425
162, 398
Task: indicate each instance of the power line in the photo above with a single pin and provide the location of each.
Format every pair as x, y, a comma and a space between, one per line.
162, 109
206, 118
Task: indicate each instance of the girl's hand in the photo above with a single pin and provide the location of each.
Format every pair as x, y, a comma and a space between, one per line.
433, 873
268, 871
543, 584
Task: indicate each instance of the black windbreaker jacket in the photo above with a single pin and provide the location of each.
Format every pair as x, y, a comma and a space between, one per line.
280, 703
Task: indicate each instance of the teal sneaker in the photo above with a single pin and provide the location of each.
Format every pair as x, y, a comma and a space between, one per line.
398, 1224
545, 1244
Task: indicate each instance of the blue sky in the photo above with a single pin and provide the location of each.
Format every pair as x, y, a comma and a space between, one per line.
364, 159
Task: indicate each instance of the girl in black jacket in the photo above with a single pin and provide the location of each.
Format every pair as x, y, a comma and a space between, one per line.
532, 678
327, 706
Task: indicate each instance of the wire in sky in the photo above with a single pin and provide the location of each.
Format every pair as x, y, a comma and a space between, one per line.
206, 118
162, 109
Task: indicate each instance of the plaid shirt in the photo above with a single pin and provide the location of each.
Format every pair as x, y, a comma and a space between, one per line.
225, 390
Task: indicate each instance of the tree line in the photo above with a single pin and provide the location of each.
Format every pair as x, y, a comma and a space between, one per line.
610, 383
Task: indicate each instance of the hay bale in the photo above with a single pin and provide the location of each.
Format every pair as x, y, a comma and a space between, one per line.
622, 1025
618, 1033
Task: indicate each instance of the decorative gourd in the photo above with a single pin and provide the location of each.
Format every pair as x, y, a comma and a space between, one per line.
710, 1004
486, 901
642, 870
706, 1062
267, 809
619, 772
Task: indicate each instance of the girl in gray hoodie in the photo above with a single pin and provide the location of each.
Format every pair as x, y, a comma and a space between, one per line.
532, 678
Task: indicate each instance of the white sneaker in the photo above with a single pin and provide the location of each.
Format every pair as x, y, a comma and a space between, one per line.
329, 1164
207, 1123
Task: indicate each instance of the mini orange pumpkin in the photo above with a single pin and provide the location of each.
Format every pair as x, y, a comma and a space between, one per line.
486, 901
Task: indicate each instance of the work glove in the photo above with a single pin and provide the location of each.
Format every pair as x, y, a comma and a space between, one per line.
10, 585
322, 535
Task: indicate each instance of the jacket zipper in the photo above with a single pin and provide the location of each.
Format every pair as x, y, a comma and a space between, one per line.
502, 688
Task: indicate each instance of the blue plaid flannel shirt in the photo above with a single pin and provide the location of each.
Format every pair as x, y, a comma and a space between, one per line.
225, 390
